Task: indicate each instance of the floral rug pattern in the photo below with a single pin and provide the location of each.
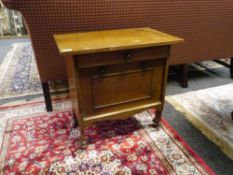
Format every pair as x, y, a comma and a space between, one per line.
91, 162
36, 142
19, 75
210, 111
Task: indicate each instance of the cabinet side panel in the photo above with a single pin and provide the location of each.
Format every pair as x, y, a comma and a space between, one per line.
73, 88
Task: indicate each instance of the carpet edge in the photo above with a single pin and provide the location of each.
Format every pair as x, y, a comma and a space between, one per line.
222, 144
188, 148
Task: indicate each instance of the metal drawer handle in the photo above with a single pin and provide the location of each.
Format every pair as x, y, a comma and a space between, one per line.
127, 56
145, 65
102, 70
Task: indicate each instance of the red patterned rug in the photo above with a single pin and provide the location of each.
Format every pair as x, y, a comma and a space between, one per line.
35, 142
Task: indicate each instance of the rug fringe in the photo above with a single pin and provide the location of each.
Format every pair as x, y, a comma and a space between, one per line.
224, 146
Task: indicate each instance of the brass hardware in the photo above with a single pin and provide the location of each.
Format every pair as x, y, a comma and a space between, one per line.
145, 65
102, 70
128, 56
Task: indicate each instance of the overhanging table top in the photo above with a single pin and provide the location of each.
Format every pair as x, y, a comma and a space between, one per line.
112, 40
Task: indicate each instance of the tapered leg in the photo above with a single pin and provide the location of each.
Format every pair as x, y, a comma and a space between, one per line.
75, 120
83, 140
183, 75
47, 97
157, 118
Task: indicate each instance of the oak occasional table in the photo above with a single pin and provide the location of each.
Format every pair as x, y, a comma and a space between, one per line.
116, 73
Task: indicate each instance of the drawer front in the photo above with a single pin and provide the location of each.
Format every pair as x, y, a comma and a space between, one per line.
105, 88
116, 89
118, 57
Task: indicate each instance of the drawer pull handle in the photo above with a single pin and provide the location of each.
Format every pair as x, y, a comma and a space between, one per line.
128, 56
102, 70
145, 65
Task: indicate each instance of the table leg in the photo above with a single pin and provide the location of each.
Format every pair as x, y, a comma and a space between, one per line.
47, 97
75, 120
231, 68
157, 118
83, 140
183, 75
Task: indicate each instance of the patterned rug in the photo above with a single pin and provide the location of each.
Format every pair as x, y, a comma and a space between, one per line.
36, 142
210, 111
19, 74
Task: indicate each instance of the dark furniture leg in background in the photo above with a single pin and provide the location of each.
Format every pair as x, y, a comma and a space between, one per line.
47, 96
231, 73
183, 75
231, 68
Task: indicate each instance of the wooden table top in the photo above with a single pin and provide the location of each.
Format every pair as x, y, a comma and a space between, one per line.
112, 40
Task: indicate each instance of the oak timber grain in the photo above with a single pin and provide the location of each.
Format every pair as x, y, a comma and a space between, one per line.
118, 57
112, 40
115, 74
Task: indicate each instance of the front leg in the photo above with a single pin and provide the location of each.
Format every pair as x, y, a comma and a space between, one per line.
83, 139
75, 120
157, 118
